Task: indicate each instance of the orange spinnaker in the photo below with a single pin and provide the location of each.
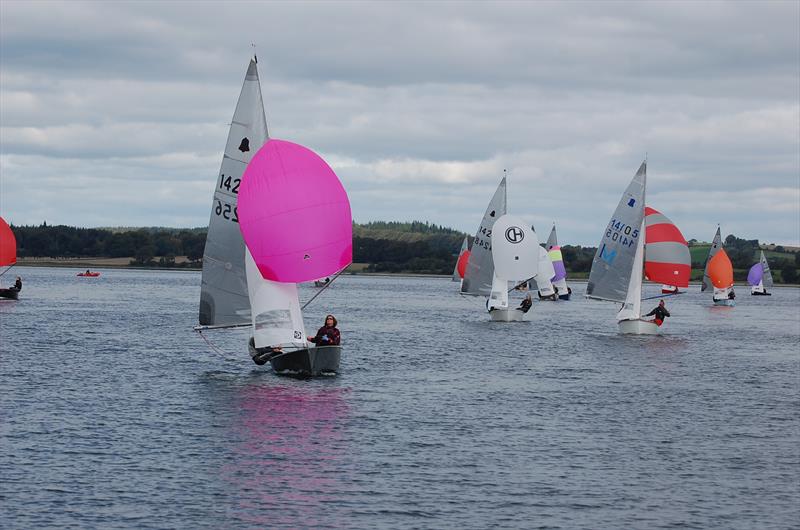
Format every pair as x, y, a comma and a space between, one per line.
720, 270
8, 245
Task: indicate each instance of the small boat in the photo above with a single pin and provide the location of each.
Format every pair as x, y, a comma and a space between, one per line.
480, 278
718, 274
322, 282
619, 263
760, 277
461, 263
515, 250
560, 278
8, 257
88, 274
669, 289
243, 284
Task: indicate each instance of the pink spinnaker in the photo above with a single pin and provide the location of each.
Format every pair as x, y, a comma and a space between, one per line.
294, 214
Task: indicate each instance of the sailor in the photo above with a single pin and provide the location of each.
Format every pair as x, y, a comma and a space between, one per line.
526, 303
660, 313
18, 284
327, 335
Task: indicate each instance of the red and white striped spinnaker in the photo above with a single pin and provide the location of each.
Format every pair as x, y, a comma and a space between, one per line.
666, 254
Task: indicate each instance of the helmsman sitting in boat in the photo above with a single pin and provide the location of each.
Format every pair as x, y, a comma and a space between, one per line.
327, 335
660, 312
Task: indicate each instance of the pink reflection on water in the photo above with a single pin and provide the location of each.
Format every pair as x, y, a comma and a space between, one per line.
291, 456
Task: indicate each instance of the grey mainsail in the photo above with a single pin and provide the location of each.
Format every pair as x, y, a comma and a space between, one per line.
715, 246
613, 262
223, 294
767, 278
552, 240
480, 267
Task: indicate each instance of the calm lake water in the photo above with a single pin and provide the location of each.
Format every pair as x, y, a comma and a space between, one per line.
115, 414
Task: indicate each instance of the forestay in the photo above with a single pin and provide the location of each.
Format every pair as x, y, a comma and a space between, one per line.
613, 262
223, 295
480, 267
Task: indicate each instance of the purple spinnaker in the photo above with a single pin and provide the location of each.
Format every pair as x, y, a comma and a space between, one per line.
755, 274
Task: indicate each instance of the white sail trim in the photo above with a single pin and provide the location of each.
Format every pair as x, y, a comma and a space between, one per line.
275, 308
545, 273
498, 298
632, 308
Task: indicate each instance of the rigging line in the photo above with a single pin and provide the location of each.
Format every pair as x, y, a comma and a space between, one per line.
214, 348
520, 285
323, 288
8, 269
665, 295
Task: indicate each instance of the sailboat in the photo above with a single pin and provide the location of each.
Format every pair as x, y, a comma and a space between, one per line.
760, 277
718, 273
234, 290
461, 263
481, 277
515, 250
305, 233
8, 257
617, 269
560, 278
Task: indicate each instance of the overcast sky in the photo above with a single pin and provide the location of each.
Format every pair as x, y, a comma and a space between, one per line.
116, 114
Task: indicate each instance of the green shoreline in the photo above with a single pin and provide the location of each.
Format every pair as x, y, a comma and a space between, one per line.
119, 263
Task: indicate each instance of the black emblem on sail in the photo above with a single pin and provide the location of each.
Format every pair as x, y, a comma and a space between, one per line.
245, 145
491, 214
514, 234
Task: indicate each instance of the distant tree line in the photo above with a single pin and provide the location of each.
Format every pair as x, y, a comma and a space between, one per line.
142, 244
412, 247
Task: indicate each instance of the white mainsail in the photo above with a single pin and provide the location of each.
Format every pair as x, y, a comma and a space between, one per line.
478, 278
223, 292
545, 274
276, 316
632, 307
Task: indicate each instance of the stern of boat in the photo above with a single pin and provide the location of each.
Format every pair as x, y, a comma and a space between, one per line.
507, 315
638, 327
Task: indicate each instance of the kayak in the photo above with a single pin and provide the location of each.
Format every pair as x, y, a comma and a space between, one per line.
89, 274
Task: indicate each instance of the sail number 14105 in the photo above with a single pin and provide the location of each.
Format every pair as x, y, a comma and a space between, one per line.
622, 233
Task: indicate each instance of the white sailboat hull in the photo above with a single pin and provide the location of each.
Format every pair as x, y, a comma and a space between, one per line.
507, 315
638, 327
726, 302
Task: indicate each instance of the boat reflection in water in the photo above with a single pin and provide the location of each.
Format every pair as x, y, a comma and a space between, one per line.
291, 462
